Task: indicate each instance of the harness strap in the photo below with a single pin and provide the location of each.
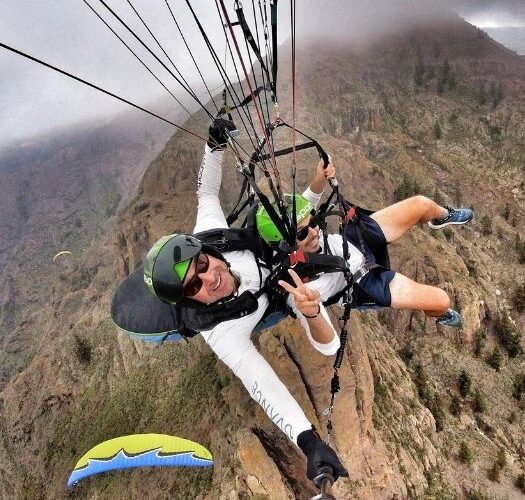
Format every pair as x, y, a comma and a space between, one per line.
289, 150
352, 216
334, 299
236, 211
335, 386
237, 239
348, 213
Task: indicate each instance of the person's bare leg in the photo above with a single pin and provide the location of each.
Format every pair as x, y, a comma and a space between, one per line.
398, 218
409, 294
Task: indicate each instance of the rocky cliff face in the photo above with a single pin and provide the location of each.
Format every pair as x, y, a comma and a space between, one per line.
437, 111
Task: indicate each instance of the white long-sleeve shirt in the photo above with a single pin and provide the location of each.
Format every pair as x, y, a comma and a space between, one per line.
230, 340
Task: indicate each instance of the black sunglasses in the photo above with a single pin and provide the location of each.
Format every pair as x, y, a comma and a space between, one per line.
302, 232
193, 286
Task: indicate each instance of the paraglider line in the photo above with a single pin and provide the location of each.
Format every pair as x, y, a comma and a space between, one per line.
229, 87
96, 87
186, 88
189, 50
136, 56
261, 121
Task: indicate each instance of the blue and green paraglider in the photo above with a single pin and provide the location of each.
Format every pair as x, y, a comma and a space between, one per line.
140, 450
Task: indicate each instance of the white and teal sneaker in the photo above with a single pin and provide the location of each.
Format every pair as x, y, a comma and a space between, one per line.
455, 216
450, 318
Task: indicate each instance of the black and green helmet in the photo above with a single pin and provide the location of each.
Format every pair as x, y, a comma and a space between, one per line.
167, 264
267, 228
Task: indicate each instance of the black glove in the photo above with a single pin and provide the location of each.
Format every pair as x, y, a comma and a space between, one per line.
219, 133
319, 455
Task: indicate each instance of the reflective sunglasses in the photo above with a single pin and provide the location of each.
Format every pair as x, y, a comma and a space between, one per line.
193, 286
302, 232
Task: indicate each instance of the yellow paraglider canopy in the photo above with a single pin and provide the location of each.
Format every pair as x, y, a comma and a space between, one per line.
140, 450
63, 252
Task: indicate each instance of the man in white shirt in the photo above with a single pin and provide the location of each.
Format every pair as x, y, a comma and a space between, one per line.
180, 269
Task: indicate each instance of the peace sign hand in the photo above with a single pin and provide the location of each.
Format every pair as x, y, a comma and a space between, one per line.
306, 299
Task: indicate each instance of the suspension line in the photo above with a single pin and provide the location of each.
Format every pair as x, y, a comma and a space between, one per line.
192, 94
140, 60
261, 121
189, 50
96, 87
189, 89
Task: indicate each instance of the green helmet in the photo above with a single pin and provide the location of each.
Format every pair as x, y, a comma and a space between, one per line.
167, 264
267, 229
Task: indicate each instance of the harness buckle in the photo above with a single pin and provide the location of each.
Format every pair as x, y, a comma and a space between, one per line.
297, 257
360, 273
329, 409
350, 214
242, 167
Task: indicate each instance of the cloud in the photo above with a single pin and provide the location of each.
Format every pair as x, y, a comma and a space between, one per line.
495, 14
67, 34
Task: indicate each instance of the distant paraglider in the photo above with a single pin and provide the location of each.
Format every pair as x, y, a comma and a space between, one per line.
140, 450
63, 252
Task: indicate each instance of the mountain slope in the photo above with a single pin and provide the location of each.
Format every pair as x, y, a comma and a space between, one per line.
58, 192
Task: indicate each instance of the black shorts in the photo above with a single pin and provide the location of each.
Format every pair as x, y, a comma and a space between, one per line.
374, 288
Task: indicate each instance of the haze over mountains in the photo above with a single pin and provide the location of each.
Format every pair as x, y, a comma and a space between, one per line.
513, 38
437, 109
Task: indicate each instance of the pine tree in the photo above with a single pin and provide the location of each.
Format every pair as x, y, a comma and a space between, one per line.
464, 384
455, 406
496, 93
465, 453
481, 340
435, 406
500, 463
437, 196
419, 72
437, 130
478, 402
501, 460
486, 225
495, 358
508, 335
518, 298
481, 94
521, 253
494, 473
519, 386
520, 482
506, 212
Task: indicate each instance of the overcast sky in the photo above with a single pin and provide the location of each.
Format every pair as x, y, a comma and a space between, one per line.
67, 34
